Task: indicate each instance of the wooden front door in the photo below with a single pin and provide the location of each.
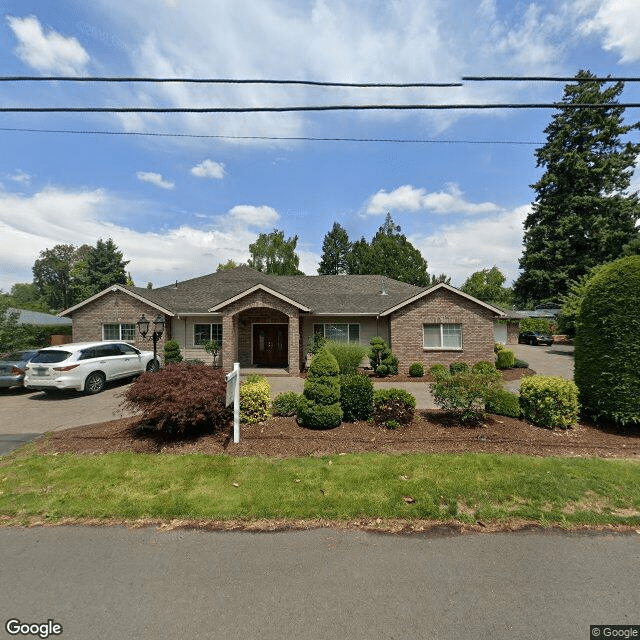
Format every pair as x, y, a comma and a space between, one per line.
271, 345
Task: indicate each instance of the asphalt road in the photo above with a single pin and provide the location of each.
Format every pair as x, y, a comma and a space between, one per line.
109, 582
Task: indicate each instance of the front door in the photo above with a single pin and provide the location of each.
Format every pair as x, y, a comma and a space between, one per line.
271, 345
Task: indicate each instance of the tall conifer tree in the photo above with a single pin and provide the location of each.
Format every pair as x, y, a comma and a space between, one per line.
583, 214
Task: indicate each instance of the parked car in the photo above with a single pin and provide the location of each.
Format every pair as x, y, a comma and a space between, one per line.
86, 366
535, 337
12, 367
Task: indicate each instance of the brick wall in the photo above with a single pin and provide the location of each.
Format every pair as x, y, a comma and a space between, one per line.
115, 307
442, 306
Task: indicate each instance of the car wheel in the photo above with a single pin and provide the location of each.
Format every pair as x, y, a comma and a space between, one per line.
153, 365
94, 383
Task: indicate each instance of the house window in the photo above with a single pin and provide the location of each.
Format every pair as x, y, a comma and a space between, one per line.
339, 332
204, 332
443, 336
122, 331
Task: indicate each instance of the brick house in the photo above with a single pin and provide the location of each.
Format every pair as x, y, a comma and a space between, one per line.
266, 320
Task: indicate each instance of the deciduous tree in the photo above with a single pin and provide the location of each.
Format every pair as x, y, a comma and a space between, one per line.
271, 253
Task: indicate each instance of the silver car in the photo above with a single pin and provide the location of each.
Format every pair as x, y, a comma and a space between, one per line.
86, 366
12, 366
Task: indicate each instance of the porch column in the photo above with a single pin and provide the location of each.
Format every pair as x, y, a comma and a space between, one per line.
229, 341
294, 344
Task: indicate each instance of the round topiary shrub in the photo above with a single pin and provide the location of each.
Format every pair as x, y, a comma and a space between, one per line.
323, 364
286, 404
324, 390
505, 359
319, 416
549, 401
172, 353
356, 397
504, 403
416, 370
607, 344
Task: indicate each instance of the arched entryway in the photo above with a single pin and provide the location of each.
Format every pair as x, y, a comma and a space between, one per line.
263, 337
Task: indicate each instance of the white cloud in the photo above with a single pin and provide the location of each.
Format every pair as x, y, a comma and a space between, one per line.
209, 169
263, 216
32, 223
48, 52
409, 198
619, 22
156, 179
475, 244
21, 176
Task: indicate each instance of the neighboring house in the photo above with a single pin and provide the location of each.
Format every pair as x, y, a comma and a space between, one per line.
37, 318
265, 320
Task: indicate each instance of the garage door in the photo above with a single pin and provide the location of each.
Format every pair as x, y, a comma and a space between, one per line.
500, 333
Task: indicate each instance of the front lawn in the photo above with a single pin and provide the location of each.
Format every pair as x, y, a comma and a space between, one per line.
494, 489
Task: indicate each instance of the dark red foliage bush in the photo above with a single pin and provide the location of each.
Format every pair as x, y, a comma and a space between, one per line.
181, 399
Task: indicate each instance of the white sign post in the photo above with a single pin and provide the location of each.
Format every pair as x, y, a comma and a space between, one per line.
233, 396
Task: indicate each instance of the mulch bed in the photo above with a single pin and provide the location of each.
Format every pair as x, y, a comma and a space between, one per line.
432, 431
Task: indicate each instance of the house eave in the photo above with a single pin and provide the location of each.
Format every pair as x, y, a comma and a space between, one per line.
436, 287
113, 289
258, 287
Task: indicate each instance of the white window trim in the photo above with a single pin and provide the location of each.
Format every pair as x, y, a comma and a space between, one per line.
441, 348
119, 325
325, 324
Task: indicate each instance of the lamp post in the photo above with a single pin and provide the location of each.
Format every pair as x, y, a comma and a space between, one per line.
158, 329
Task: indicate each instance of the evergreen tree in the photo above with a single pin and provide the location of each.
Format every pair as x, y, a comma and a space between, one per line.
358, 260
52, 275
392, 255
104, 266
443, 277
271, 253
335, 252
583, 214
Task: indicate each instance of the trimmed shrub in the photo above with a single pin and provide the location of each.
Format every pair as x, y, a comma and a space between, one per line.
503, 403
465, 394
607, 344
181, 399
356, 397
323, 364
255, 399
458, 367
497, 346
382, 360
319, 416
348, 355
437, 371
286, 404
172, 353
392, 407
416, 370
549, 401
323, 390
319, 408
195, 361
520, 364
505, 359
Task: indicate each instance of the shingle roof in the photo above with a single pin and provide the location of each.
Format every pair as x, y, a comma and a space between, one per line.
26, 316
322, 294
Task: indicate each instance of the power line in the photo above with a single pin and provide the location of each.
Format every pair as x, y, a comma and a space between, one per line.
545, 79
401, 85
344, 107
292, 138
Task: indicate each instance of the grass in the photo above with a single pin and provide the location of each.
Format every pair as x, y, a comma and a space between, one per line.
488, 487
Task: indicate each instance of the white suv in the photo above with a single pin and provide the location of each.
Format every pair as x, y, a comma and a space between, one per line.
86, 366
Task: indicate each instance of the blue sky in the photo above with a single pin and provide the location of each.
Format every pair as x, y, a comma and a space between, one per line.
177, 207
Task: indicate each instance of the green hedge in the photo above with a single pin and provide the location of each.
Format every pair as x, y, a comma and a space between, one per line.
356, 397
392, 407
504, 403
549, 401
416, 370
286, 404
607, 344
505, 359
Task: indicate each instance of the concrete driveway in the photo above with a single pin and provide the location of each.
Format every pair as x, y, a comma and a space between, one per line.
556, 360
